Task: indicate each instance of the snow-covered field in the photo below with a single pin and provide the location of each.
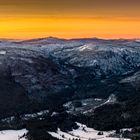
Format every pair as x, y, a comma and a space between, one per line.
83, 133
13, 134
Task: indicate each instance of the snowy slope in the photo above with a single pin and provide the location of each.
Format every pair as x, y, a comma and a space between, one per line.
84, 133
13, 134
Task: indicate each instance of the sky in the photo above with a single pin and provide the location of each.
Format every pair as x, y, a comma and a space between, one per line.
22, 19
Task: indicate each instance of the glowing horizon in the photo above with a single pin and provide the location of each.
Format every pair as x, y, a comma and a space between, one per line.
69, 19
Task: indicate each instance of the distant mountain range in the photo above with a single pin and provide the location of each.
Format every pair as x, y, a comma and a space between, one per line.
50, 71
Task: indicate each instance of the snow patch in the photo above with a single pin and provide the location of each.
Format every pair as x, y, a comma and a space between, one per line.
111, 99
2, 52
83, 133
137, 40
13, 134
85, 47
98, 99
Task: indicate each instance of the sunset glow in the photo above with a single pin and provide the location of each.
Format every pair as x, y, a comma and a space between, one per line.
69, 19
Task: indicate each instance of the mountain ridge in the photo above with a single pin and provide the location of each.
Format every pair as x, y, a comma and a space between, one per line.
53, 72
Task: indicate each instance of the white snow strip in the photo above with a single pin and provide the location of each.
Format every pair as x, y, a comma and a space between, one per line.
98, 99
85, 47
111, 100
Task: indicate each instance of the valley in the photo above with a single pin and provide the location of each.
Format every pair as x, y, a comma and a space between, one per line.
92, 81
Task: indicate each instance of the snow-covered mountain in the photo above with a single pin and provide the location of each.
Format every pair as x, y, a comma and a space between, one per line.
59, 64
52, 70
47, 73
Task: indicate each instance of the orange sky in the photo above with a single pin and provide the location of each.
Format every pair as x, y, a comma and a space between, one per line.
69, 19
